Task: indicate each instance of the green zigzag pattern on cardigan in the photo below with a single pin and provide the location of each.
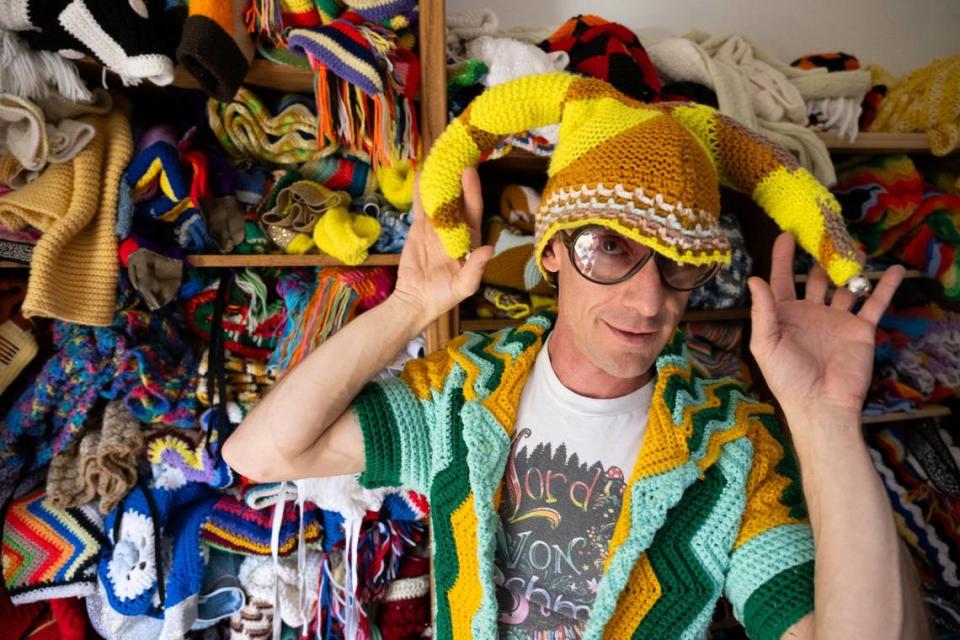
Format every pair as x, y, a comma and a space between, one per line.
688, 553
653, 497
448, 491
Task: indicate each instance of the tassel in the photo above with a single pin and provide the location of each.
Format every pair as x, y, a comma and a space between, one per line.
32, 74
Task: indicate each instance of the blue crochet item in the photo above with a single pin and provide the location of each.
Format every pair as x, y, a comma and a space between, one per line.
153, 563
141, 358
162, 191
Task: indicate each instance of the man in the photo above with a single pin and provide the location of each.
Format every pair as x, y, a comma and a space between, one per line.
603, 485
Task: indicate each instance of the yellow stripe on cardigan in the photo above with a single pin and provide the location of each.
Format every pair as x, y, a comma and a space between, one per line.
425, 376
639, 595
465, 595
741, 422
763, 509
788, 193
583, 128
664, 447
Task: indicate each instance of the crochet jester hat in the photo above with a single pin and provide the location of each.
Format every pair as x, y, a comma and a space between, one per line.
651, 172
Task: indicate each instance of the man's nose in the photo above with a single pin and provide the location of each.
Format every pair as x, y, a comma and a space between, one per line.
644, 291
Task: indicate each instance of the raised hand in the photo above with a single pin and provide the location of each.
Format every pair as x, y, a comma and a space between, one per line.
427, 277
815, 357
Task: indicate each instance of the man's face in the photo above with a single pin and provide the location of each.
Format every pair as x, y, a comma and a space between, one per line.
621, 328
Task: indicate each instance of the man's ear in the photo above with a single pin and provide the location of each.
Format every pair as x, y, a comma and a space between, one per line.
549, 258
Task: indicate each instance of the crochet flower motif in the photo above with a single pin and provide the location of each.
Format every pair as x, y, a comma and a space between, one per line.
131, 569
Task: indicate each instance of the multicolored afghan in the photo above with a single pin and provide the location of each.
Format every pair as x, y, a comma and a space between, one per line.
141, 359
48, 552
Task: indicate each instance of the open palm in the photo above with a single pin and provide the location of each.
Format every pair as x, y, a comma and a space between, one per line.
814, 354
429, 278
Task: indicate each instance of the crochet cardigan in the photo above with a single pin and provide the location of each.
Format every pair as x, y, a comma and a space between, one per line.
713, 505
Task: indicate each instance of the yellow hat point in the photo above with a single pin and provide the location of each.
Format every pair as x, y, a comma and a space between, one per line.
650, 171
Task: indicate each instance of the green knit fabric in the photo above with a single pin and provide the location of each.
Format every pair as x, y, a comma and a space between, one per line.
685, 519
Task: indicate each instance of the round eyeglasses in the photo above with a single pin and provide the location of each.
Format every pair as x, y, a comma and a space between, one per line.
603, 256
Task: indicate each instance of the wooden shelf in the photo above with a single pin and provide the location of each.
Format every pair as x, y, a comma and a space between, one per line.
488, 324
284, 260
262, 73
694, 315
925, 411
870, 275
716, 315
867, 142
877, 142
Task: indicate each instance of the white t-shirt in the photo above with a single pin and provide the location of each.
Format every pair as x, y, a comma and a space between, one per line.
563, 487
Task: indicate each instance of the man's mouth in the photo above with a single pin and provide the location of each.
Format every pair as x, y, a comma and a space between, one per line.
630, 335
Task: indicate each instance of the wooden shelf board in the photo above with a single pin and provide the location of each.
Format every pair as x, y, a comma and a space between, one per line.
870, 275
716, 315
878, 142
925, 411
262, 73
867, 142
10, 264
284, 260
695, 315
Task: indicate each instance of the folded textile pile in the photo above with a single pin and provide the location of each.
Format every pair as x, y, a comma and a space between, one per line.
926, 100
760, 91
74, 266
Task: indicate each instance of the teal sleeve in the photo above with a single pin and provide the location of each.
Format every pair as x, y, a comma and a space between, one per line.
396, 436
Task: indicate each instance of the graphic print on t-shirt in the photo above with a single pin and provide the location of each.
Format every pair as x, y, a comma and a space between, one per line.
557, 515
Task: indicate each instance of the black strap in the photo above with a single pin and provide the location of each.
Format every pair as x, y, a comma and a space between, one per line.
216, 370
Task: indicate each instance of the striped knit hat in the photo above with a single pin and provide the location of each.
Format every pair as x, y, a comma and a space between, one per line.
650, 171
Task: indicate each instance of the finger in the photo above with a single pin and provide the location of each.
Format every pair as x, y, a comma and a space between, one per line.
817, 284
472, 203
467, 280
843, 299
781, 268
876, 305
764, 326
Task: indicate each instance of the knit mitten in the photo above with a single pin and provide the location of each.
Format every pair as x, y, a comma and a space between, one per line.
226, 222
346, 236
126, 37
155, 276
121, 443
215, 46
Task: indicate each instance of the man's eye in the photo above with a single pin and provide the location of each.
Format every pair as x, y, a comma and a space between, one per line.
612, 246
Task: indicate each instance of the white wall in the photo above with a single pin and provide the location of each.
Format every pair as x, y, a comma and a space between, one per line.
900, 35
